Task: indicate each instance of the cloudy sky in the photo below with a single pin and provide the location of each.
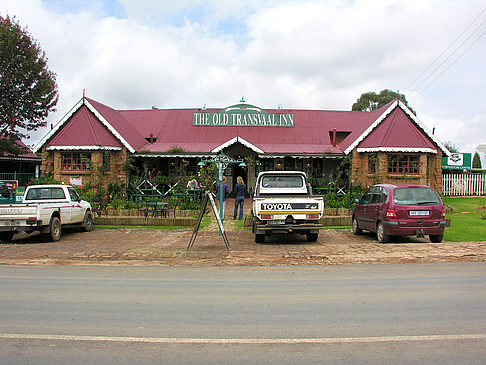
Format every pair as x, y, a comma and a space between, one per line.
315, 54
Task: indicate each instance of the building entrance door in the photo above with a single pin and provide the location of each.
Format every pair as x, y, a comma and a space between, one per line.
239, 171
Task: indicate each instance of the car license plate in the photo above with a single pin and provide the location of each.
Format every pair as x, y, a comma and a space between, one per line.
419, 213
11, 223
278, 221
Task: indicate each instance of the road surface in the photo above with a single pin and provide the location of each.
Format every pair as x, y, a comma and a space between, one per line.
367, 314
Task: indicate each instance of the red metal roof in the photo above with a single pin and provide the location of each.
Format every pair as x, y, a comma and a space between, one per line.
28, 154
97, 124
129, 132
397, 130
310, 134
84, 129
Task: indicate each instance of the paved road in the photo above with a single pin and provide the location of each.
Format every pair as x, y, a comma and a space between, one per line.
376, 314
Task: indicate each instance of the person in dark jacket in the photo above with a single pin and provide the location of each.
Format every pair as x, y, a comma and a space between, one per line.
240, 192
222, 186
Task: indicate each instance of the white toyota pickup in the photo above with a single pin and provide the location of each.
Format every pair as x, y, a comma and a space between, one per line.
284, 203
45, 208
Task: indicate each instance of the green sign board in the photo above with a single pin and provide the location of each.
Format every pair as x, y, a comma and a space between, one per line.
457, 161
243, 115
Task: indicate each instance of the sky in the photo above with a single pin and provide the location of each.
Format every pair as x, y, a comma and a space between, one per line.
309, 54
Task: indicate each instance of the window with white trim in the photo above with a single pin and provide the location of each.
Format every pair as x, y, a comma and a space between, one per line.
76, 161
403, 164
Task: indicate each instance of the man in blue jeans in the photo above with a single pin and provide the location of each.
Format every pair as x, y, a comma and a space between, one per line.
240, 192
224, 186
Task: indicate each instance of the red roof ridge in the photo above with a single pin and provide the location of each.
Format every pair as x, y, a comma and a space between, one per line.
118, 125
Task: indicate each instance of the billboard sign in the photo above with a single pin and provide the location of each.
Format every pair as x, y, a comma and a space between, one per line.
457, 161
243, 115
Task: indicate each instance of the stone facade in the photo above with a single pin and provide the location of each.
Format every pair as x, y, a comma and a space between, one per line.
113, 172
429, 170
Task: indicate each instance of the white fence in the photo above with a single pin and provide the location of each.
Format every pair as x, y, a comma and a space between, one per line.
463, 184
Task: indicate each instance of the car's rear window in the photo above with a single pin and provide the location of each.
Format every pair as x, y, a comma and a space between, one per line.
415, 196
282, 181
45, 193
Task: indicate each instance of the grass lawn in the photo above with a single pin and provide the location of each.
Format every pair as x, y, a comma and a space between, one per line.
467, 220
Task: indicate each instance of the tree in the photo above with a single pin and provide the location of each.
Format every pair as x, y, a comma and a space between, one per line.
370, 101
476, 161
451, 147
28, 90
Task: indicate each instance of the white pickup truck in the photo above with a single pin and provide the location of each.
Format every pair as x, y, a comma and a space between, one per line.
284, 203
45, 208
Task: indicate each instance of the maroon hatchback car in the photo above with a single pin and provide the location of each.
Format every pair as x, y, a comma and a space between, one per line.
400, 210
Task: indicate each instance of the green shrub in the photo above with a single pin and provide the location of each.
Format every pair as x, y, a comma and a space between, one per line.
44, 179
347, 200
190, 205
122, 203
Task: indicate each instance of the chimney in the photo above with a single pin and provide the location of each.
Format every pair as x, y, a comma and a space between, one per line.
151, 140
334, 137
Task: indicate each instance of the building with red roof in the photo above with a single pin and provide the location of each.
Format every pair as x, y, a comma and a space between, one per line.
386, 145
20, 168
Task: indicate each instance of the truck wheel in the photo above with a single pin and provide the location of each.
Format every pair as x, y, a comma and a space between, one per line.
260, 238
312, 237
87, 224
55, 229
6, 236
380, 233
356, 230
436, 238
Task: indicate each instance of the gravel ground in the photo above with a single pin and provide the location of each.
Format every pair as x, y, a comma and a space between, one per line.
137, 246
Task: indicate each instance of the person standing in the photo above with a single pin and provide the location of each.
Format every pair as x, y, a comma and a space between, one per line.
240, 193
192, 185
225, 189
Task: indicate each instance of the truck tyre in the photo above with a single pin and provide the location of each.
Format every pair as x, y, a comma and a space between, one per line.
87, 224
436, 238
259, 238
55, 229
380, 233
6, 236
312, 237
356, 230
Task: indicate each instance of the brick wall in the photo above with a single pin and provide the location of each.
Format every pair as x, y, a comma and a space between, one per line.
430, 170
52, 164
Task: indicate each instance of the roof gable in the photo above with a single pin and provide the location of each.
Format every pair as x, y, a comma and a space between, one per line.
236, 140
83, 129
111, 119
397, 129
117, 124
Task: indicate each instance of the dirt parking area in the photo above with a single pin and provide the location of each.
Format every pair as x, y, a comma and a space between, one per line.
137, 246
